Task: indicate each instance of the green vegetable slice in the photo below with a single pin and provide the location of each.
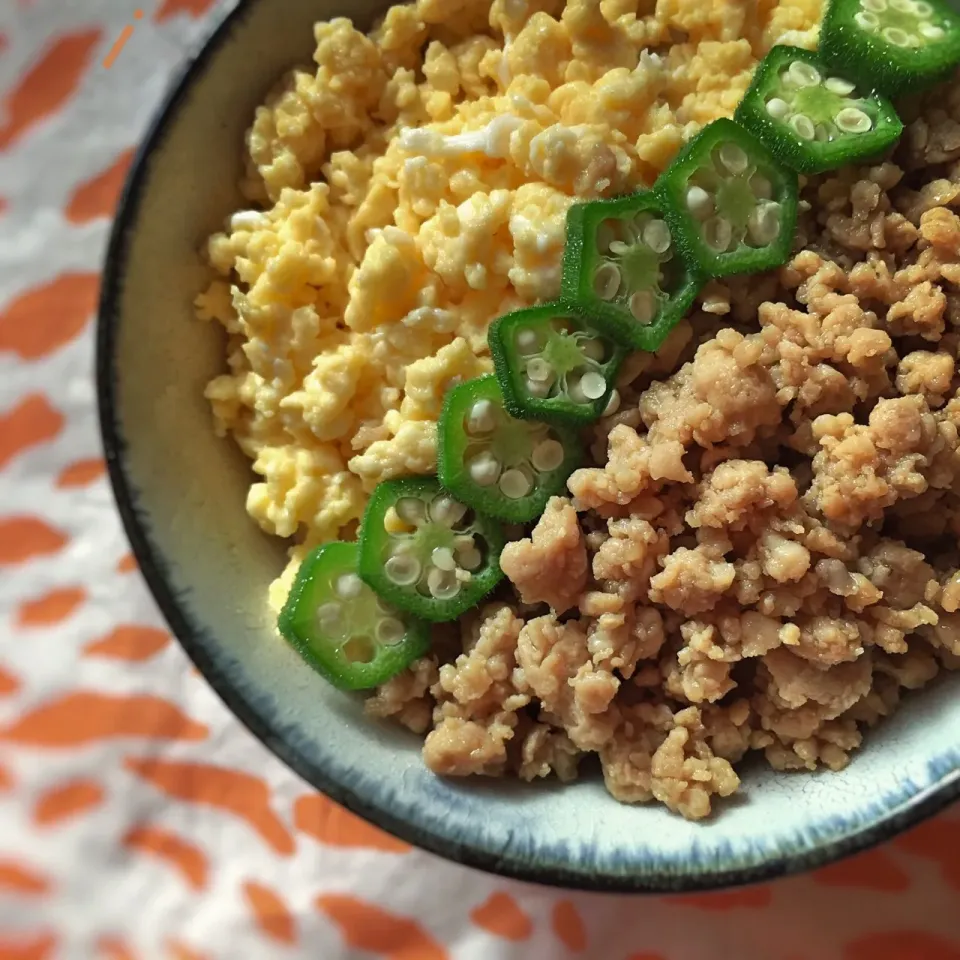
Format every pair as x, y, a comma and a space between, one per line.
499, 465
427, 553
552, 365
894, 46
812, 118
730, 203
623, 270
341, 628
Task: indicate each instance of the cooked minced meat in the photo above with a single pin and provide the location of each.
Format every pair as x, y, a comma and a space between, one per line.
762, 554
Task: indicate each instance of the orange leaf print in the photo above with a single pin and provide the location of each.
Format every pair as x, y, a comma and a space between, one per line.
129, 642
98, 196
66, 801
184, 856
85, 717
330, 823
32, 422
568, 926
193, 8
241, 794
501, 915
646, 956
9, 684
23, 538
901, 945
113, 948
127, 563
365, 926
47, 317
4, 202
17, 878
81, 473
270, 912
937, 840
873, 870
6, 780
40, 947
51, 608
727, 900
180, 951
48, 84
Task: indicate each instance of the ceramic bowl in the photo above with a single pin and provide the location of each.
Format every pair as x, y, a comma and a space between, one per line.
181, 495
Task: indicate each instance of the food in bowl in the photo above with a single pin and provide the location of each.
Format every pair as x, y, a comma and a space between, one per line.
648, 440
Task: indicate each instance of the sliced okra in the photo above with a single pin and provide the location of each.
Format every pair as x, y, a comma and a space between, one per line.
341, 628
893, 46
501, 466
552, 365
624, 272
730, 203
812, 118
426, 552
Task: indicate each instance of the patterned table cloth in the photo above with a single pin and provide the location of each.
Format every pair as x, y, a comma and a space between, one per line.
138, 818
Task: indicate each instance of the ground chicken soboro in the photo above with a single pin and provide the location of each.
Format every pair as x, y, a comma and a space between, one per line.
759, 557
762, 557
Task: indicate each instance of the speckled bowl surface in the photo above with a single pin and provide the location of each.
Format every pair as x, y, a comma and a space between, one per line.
181, 492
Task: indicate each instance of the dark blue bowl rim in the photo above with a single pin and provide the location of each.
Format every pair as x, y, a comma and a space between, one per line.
910, 813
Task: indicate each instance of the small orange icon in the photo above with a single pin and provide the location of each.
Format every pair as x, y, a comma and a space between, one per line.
125, 35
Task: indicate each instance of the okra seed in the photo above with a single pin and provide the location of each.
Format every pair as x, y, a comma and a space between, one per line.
930, 31
390, 631
547, 455
718, 233
619, 249
402, 570
606, 283
761, 187
733, 158
867, 21
593, 384
349, 586
896, 36
443, 584
468, 556
514, 484
922, 9
763, 225
484, 469
482, 418
656, 235
411, 510
839, 86
613, 404
643, 307
874, 6
527, 341
447, 511
328, 615
539, 369
699, 203
593, 350
852, 120
777, 108
803, 126
804, 74
540, 389
442, 558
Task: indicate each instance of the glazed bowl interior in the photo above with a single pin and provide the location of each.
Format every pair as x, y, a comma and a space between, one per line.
181, 492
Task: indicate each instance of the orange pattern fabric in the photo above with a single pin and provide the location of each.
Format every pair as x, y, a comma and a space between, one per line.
123, 775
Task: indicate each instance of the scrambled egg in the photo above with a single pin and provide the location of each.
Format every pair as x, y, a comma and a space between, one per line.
414, 187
